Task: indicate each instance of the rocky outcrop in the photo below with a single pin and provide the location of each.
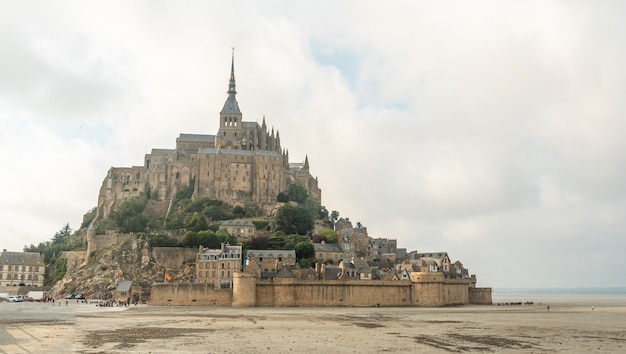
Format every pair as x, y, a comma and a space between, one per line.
98, 272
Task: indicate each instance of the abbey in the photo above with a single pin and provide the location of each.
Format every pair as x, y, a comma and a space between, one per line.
243, 164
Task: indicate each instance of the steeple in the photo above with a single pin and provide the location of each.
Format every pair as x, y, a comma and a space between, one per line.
306, 163
231, 106
231, 83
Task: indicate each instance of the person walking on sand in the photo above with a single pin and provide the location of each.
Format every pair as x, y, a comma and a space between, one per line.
548, 307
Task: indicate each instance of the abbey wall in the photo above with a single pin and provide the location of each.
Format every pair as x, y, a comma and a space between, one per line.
424, 289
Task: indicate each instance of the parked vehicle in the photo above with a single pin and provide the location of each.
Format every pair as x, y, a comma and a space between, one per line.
15, 298
35, 295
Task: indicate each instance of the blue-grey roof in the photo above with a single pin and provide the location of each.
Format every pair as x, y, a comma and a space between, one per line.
196, 137
211, 151
124, 285
236, 223
249, 125
162, 151
21, 258
231, 106
272, 253
434, 255
327, 247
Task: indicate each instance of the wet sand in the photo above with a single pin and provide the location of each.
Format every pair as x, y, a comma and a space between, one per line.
80, 328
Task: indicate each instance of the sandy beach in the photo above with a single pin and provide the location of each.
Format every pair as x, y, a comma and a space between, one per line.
81, 328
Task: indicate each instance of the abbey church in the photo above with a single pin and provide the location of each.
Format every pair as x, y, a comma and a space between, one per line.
243, 164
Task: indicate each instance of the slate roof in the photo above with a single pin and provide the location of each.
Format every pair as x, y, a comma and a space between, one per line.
196, 137
327, 247
21, 258
272, 253
236, 223
124, 286
332, 273
211, 151
435, 255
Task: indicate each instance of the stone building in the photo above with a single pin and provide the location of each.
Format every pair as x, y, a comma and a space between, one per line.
243, 164
127, 292
436, 262
328, 252
270, 261
21, 269
244, 231
216, 266
356, 243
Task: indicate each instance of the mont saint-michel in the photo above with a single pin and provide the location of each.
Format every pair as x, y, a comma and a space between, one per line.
228, 220
243, 164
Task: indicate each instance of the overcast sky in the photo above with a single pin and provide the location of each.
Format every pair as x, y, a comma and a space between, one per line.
492, 130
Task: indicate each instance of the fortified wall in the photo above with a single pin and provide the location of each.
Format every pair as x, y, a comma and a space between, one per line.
424, 289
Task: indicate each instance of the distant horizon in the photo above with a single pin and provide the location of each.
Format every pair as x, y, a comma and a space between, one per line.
562, 290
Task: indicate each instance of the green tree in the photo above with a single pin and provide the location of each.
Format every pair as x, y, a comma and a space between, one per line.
103, 225
198, 223
88, 218
209, 239
298, 193
323, 214
282, 197
328, 235
334, 216
304, 249
294, 220
62, 236
162, 240
258, 243
129, 216
190, 239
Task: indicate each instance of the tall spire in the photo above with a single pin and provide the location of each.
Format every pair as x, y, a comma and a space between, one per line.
231, 106
231, 84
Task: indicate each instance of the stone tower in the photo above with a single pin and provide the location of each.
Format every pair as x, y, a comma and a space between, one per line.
230, 134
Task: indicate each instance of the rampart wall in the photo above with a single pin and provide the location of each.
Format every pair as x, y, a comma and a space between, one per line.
189, 294
480, 296
424, 289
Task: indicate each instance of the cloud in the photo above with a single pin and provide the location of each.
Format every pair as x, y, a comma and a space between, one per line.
492, 131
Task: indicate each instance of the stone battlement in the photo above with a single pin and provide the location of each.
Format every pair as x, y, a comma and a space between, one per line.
424, 289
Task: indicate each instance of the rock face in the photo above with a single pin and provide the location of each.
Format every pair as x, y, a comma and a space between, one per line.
97, 272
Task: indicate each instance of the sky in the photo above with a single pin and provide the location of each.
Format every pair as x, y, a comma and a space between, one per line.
492, 130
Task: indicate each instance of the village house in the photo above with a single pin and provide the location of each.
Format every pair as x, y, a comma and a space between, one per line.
216, 266
127, 292
356, 243
244, 231
436, 262
328, 252
357, 268
271, 261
